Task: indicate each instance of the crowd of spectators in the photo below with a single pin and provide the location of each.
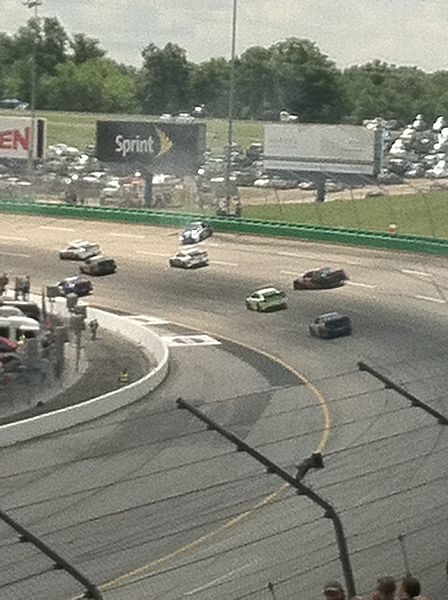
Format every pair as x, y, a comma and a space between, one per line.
387, 588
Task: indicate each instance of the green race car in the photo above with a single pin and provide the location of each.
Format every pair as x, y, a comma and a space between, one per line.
266, 299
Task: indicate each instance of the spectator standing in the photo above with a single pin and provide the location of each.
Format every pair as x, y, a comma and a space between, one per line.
333, 590
410, 588
17, 287
385, 588
93, 326
25, 287
4, 280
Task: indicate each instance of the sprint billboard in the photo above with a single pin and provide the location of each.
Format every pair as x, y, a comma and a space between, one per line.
159, 147
15, 137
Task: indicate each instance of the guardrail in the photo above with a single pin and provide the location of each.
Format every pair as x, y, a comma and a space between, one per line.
64, 418
332, 235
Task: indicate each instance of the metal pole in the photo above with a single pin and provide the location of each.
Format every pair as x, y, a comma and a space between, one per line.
442, 419
231, 104
329, 511
33, 4
26, 536
404, 554
78, 350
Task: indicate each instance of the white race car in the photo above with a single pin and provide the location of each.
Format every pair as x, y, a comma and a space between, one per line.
190, 258
79, 250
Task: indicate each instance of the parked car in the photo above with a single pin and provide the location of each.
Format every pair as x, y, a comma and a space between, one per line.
10, 311
27, 308
19, 326
98, 265
195, 232
75, 285
331, 325
320, 279
190, 258
14, 103
266, 299
79, 250
8, 345
11, 363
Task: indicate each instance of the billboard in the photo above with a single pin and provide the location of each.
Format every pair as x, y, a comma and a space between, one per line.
159, 147
15, 137
349, 149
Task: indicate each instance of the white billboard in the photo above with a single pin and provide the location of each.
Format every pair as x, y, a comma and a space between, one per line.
15, 137
348, 149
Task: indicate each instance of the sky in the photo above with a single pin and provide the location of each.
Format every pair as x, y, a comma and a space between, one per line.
402, 32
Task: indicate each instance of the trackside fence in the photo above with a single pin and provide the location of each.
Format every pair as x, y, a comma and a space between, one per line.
353, 237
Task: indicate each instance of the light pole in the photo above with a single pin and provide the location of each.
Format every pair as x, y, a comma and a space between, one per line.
33, 4
231, 105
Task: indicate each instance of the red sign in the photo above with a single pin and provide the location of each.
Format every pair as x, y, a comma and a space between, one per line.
15, 139
16, 135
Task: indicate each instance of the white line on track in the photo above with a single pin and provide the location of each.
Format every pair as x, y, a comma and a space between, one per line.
15, 254
319, 258
365, 285
411, 272
225, 577
214, 244
224, 263
12, 238
128, 235
430, 299
50, 227
288, 272
149, 253
292, 254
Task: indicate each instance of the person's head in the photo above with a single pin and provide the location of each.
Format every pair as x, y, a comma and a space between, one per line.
386, 586
409, 588
333, 590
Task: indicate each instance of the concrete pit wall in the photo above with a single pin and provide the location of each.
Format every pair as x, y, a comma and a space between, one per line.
59, 420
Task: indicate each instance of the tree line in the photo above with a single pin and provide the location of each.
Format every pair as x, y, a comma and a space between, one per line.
73, 73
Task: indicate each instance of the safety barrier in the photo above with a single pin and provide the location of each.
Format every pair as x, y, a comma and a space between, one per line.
352, 237
64, 418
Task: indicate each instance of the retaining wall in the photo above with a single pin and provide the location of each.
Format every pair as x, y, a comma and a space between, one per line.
97, 407
331, 235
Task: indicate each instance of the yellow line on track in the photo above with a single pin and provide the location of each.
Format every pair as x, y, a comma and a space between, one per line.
140, 572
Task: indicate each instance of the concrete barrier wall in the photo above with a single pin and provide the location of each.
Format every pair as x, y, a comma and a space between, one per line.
330, 235
58, 420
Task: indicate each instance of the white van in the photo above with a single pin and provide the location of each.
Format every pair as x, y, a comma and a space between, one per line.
15, 327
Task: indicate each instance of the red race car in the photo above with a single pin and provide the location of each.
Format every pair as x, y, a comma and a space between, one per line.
320, 279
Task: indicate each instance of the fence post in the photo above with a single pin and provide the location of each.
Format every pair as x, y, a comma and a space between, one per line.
329, 511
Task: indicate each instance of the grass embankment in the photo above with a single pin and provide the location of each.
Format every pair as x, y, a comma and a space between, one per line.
424, 215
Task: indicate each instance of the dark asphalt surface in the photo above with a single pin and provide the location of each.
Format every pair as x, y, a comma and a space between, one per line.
105, 357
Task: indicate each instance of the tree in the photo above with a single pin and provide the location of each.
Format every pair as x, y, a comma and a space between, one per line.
41, 40
164, 81
95, 85
85, 48
254, 87
52, 49
378, 89
210, 86
306, 82
6, 60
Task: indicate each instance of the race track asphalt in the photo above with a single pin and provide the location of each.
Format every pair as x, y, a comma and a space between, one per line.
149, 503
